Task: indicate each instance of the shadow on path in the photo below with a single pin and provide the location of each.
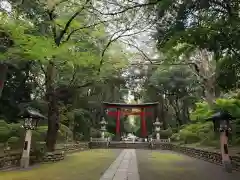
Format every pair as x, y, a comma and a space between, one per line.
167, 165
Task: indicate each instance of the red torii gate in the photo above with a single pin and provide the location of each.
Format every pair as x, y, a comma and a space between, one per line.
118, 113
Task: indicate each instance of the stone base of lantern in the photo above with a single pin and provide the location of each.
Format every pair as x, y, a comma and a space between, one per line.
24, 163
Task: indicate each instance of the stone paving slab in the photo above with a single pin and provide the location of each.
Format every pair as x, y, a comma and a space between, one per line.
123, 168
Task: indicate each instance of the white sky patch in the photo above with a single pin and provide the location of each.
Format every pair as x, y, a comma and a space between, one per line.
5, 5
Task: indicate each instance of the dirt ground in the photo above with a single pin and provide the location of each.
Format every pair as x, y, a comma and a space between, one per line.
167, 165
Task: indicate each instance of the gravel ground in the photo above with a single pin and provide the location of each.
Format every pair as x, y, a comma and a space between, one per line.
167, 165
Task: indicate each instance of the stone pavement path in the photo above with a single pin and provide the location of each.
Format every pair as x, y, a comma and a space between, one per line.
123, 168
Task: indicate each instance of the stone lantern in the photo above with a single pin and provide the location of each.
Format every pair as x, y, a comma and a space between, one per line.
103, 124
221, 121
157, 128
31, 120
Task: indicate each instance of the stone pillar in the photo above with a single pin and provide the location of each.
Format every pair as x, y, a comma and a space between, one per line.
224, 131
26, 149
143, 123
118, 122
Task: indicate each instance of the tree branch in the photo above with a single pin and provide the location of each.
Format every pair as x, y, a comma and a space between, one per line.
84, 85
129, 8
140, 50
84, 27
73, 76
115, 39
42, 68
164, 64
67, 25
50, 13
53, 26
109, 43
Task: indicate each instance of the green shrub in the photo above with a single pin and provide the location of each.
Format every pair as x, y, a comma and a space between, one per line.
191, 138
42, 130
36, 136
108, 134
236, 141
79, 136
175, 137
175, 130
5, 131
203, 111
64, 133
95, 133
207, 142
3, 123
165, 134
17, 130
14, 143
61, 137
39, 149
187, 136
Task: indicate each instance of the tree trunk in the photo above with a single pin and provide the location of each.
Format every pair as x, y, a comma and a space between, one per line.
206, 71
3, 74
177, 111
210, 95
53, 109
185, 112
162, 112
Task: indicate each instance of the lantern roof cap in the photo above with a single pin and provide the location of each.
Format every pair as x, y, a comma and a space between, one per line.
30, 112
221, 115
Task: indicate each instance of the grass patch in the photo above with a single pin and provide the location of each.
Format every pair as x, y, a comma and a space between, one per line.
86, 165
166, 158
165, 165
169, 162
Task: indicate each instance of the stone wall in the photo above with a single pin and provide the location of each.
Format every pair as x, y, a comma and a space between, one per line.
69, 148
13, 159
100, 144
53, 156
163, 146
10, 160
213, 157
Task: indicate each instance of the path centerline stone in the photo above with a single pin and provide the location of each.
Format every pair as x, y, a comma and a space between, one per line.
124, 167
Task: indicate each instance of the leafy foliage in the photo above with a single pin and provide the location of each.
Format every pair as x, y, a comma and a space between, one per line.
202, 131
